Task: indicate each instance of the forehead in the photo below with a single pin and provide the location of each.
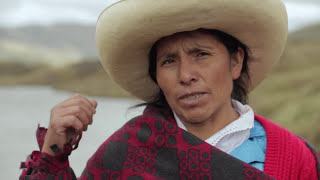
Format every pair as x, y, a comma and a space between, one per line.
187, 40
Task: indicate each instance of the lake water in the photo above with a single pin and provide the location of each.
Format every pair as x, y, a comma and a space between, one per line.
23, 108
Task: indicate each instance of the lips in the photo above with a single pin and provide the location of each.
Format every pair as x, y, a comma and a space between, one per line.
191, 96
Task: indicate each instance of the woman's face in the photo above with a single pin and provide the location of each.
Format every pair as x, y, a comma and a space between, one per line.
196, 73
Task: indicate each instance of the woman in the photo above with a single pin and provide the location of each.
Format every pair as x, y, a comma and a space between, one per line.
193, 63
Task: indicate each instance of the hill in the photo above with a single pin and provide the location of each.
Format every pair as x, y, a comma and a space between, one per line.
52, 44
87, 77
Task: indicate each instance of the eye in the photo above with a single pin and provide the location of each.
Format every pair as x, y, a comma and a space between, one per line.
167, 62
202, 53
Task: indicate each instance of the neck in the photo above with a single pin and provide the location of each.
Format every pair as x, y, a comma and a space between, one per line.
217, 121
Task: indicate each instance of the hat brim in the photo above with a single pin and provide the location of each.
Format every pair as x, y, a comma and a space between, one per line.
127, 30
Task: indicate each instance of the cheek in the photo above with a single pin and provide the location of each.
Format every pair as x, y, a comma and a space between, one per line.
220, 78
164, 81
167, 86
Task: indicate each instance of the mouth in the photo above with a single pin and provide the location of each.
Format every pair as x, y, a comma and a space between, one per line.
191, 96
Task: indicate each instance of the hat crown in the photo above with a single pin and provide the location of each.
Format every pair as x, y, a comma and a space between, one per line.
127, 29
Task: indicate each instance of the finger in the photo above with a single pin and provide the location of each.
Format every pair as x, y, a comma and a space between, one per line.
71, 97
68, 122
85, 116
93, 102
80, 111
74, 123
79, 100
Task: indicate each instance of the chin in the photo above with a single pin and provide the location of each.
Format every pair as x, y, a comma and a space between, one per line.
195, 118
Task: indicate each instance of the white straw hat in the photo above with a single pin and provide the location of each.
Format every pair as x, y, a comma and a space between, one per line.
127, 29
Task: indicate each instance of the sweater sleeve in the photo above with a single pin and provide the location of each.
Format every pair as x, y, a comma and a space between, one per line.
42, 166
310, 163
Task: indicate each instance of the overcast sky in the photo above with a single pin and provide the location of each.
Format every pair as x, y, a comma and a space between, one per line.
21, 12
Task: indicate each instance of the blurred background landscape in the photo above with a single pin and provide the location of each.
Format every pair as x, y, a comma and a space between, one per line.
42, 48
36, 55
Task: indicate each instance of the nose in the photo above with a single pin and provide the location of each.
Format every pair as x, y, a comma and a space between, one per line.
187, 73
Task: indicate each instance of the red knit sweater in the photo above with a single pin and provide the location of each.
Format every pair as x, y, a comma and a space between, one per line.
287, 156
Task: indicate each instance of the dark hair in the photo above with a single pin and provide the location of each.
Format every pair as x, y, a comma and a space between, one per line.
240, 85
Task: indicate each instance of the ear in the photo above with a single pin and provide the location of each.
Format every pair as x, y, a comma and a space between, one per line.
236, 63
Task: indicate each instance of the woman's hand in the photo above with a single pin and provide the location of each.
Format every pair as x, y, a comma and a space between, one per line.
68, 120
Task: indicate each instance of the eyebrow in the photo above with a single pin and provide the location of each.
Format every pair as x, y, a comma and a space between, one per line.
188, 51
199, 48
196, 48
168, 55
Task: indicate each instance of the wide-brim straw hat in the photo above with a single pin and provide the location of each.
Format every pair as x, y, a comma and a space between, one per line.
127, 29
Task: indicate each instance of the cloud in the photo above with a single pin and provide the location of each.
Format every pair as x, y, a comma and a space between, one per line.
312, 2
22, 12
8, 5
8, 9
89, 7
301, 14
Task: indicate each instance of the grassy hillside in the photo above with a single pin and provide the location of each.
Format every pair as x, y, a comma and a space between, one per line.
289, 96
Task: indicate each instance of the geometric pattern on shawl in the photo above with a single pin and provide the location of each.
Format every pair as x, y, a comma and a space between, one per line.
151, 146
